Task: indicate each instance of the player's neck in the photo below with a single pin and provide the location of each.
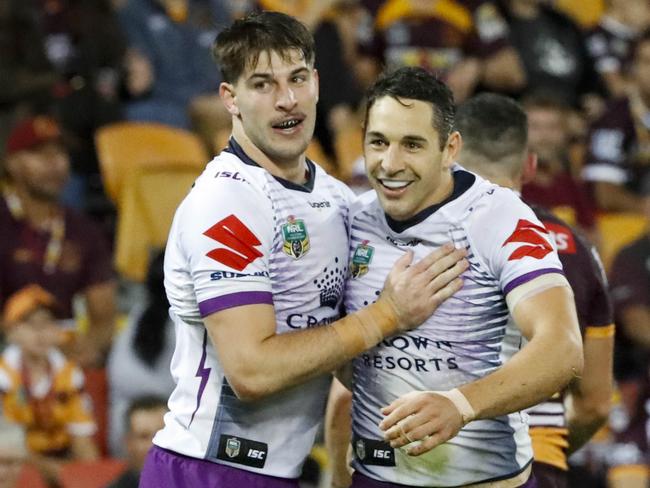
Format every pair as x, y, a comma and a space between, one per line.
294, 170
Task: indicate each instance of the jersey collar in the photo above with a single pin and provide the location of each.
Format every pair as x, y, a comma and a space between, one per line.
307, 187
463, 180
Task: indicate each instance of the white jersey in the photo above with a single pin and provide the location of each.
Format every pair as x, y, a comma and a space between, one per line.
243, 237
461, 342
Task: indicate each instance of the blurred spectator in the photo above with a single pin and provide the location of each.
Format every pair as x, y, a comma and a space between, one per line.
51, 245
26, 76
80, 45
142, 419
464, 41
552, 48
85, 44
13, 453
171, 77
554, 186
618, 154
611, 42
630, 285
40, 388
139, 360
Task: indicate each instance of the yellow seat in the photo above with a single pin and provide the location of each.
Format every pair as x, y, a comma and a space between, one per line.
586, 13
618, 230
147, 170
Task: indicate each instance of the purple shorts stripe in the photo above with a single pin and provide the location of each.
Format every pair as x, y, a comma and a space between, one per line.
167, 469
361, 481
216, 304
525, 278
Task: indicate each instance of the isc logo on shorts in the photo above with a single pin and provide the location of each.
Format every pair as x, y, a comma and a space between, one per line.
242, 451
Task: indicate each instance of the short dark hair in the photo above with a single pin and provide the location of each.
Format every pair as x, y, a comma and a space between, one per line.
146, 403
417, 84
240, 45
546, 100
494, 127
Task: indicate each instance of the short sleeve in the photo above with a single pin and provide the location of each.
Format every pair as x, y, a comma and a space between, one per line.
509, 238
225, 231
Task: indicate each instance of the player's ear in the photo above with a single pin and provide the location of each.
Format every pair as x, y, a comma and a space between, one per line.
530, 168
317, 81
229, 98
452, 149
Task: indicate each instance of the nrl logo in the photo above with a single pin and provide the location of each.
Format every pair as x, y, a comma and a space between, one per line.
232, 447
361, 259
296, 239
361, 449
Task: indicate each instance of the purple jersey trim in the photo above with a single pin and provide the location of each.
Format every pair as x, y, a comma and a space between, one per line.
525, 278
232, 300
203, 373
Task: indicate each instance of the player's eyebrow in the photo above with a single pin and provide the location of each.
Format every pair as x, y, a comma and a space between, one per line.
414, 138
375, 133
269, 76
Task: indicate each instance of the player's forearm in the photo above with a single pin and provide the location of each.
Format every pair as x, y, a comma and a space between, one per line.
338, 432
582, 427
551, 359
590, 397
539, 370
276, 365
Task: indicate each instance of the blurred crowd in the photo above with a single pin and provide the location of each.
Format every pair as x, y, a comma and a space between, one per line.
85, 352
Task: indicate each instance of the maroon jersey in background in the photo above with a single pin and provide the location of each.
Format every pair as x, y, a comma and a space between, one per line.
563, 191
615, 153
584, 271
610, 45
85, 258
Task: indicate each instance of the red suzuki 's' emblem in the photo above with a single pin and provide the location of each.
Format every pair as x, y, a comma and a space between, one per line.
240, 241
530, 234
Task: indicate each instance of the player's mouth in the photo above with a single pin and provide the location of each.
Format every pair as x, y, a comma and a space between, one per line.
393, 187
290, 125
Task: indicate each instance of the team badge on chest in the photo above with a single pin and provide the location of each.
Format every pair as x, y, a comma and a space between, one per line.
296, 238
361, 259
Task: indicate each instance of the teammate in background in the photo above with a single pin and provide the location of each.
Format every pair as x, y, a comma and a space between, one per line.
447, 395
494, 130
254, 272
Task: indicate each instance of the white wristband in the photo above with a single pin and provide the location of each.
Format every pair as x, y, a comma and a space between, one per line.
460, 402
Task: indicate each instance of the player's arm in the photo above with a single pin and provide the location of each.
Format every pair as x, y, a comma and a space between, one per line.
258, 362
338, 432
100, 304
589, 401
552, 358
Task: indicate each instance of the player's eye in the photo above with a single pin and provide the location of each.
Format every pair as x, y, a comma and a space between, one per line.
299, 79
413, 146
377, 142
261, 85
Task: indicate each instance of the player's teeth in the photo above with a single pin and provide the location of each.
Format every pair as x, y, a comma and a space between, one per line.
393, 184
